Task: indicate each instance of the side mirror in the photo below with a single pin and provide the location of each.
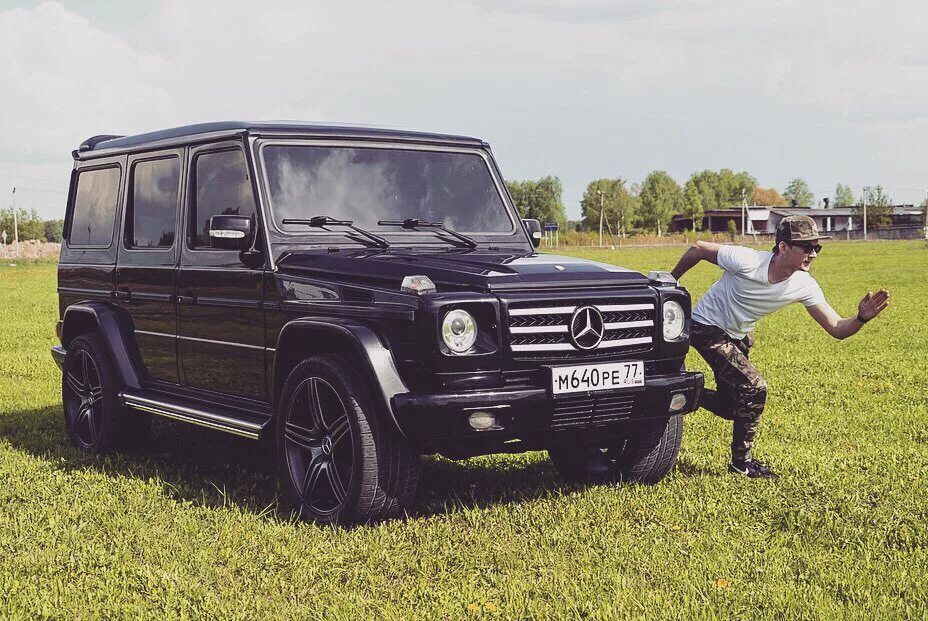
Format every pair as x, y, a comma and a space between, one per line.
533, 227
230, 232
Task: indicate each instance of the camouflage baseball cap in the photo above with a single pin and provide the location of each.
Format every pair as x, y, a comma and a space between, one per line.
798, 228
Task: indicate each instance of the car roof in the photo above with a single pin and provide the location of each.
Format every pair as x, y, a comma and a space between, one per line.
109, 144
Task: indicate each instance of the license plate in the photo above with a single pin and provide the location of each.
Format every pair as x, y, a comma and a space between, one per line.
596, 377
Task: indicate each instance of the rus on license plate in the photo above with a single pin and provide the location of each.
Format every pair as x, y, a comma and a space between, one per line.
593, 377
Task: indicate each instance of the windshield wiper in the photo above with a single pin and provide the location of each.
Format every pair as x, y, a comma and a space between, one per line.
324, 221
413, 223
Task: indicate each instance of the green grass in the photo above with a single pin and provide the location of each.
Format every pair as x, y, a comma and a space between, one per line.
190, 528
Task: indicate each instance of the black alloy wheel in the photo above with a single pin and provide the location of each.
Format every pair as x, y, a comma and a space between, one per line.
93, 416
341, 459
319, 448
83, 399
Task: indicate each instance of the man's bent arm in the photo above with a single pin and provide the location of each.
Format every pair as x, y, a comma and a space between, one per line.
869, 307
700, 251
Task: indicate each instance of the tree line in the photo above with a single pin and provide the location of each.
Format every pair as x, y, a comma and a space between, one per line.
30, 226
623, 207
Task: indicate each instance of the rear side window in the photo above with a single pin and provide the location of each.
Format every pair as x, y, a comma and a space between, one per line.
152, 211
92, 220
222, 188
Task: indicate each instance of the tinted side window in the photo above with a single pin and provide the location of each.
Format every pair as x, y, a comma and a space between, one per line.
92, 220
154, 204
222, 188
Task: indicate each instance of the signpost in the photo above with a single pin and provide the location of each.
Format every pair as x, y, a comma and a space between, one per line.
549, 228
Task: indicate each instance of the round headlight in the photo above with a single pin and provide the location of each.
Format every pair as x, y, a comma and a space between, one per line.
674, 320
459, 331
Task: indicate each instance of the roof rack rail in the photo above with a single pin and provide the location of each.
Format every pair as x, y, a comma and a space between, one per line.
93, 141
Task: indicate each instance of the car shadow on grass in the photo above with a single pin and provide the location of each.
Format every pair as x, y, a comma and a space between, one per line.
214, 470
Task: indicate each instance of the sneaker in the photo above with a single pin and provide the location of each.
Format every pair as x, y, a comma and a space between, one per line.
752, 469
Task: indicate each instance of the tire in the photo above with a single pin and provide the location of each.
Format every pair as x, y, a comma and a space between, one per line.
645, 455
340, 459
95, 420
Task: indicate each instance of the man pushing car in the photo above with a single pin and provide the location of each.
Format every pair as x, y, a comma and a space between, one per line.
754, 284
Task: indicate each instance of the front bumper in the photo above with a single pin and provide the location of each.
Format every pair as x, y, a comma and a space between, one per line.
531, 418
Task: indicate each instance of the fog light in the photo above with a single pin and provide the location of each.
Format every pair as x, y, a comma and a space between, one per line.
481, 421
677, 402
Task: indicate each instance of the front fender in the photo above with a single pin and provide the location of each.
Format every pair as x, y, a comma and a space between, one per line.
340, 337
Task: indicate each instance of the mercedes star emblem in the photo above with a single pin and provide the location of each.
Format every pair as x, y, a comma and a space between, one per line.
586, 327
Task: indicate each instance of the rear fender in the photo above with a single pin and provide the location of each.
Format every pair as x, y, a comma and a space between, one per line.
105, 320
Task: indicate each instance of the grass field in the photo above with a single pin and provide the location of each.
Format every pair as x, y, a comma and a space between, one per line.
190, 528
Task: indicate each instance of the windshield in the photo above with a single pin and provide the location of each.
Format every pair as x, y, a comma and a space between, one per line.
370, 184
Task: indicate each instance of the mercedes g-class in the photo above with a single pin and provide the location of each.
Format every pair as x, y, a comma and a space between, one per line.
359, 297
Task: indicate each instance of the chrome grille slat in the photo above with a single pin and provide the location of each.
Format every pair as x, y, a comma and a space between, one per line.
544, 326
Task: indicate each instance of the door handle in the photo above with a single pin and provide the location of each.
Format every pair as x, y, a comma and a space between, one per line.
123, 294
186, 299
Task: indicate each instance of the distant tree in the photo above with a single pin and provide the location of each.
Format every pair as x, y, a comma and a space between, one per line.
769, 197
798, 190
54, 230
541, 199
735, 185
692, 204
844, 197
723, 189
879, 207
661, 198
619, 206
30, 224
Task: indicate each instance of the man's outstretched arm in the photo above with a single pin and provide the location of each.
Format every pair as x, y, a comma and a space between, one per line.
869, 307
700, 251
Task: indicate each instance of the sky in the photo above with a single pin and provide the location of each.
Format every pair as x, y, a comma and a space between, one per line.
583, 89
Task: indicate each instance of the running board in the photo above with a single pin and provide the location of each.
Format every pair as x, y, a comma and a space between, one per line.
195, 415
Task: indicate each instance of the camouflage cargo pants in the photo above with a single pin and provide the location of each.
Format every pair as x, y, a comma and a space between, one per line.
741, 390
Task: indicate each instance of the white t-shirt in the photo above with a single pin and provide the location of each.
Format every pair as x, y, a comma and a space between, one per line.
743, 294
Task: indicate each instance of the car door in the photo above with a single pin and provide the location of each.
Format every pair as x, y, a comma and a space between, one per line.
145, 273
220, 314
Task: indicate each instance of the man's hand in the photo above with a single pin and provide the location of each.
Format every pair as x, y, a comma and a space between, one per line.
873, 304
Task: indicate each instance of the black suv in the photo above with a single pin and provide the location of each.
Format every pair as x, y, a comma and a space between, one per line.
358, 297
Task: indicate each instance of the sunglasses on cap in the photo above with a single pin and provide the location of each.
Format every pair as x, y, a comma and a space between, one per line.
807, 247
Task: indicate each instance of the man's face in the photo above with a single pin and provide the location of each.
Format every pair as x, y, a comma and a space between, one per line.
799, 255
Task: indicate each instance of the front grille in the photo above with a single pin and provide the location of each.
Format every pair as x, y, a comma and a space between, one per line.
582, 412
543, 328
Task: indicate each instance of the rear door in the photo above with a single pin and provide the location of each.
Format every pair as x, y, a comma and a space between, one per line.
148, 255
221, 319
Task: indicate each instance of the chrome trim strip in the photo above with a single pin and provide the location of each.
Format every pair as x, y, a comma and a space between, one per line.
148, 333
624, 307
193, 338
623, 325
194, 416
568, 347
538, 330
625, 342
212, 342
554, 310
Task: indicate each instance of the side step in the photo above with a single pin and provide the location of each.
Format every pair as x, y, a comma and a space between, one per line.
220, 420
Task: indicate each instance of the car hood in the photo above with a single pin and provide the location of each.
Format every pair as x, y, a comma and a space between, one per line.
458, 268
